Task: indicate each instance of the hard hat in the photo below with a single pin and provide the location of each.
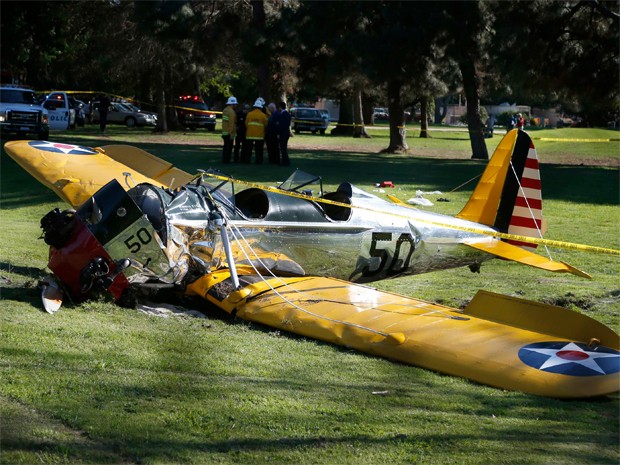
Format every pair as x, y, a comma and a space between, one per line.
231, 101
259, 103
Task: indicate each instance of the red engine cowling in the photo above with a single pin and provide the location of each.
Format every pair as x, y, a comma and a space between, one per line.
80, 262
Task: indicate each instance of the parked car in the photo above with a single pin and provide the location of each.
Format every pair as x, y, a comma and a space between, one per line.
309, 119
21, 113
131, 107
192, 112
119, 113
380, 113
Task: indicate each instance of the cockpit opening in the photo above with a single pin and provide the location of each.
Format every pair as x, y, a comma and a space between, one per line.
337, 212
252, 203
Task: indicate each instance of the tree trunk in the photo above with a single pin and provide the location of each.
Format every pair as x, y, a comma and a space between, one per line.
345, 121
162, 117
197, 85
358, 118
474, 120
262, 72
367, 110
398, 135
441, 109
144, 93
424, 118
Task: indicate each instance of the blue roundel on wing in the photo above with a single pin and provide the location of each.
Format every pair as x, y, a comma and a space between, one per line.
65, 149
571, 358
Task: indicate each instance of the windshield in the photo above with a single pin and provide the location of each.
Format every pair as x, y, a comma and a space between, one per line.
18, 96
124, 107
300, 179
193, 104
307, 113
221, 188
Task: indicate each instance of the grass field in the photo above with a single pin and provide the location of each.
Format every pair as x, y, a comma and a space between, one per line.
99, 384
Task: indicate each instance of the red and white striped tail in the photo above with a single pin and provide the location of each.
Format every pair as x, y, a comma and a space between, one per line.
527, 216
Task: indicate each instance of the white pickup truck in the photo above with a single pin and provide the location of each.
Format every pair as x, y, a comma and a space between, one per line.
21, 112
61, 111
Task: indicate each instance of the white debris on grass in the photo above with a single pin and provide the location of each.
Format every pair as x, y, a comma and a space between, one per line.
167, 310
420, 200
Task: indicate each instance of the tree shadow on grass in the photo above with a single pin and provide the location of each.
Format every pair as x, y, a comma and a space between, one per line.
581, 184
19, 189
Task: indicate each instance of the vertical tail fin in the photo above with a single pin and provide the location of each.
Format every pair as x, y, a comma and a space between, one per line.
508, 195
520, 210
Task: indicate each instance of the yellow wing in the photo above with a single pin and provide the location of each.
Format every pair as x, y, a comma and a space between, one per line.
489, 342
75, 172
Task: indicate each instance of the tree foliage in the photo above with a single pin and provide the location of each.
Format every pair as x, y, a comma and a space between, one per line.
43, 43
562, 52
399, 53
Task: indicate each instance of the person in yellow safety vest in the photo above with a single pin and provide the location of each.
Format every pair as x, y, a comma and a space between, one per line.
255, 122
229, 128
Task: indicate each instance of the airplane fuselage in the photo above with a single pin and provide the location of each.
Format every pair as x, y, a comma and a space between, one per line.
371, 241
372, 245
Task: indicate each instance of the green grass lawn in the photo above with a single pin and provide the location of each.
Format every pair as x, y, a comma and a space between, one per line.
100, 384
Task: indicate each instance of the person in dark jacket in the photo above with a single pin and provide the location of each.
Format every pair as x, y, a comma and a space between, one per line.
271, 135
104, 106
284, 132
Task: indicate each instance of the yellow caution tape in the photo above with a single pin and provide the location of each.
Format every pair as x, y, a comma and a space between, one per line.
194, 110
128, 99
557, 139
91, 92
307, 122
500, 235
352, 125
72, 91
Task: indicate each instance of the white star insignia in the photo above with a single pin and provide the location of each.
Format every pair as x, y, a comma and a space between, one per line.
572, 353
64, 148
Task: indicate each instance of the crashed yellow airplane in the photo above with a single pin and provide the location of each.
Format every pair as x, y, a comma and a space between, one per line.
284, 258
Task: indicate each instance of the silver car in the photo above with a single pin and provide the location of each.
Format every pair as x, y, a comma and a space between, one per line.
121, 113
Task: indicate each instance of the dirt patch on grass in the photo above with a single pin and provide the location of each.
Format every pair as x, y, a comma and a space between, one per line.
585, 303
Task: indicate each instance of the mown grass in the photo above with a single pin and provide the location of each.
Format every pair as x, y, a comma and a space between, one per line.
96, 383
